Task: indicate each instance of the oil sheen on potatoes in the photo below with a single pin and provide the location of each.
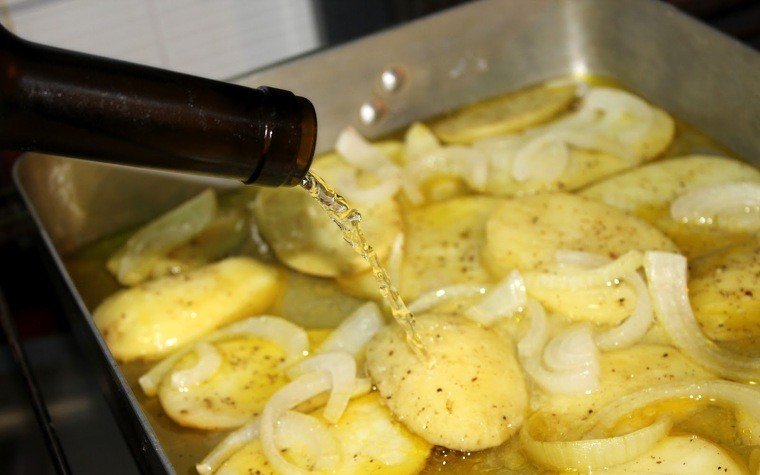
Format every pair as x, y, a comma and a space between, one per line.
348, 220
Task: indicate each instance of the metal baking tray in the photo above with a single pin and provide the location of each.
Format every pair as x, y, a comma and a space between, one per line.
442, 62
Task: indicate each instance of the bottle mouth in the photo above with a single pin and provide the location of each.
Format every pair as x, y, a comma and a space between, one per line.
290, 139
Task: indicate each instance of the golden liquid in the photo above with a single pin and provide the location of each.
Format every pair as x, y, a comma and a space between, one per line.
313, 302
348, 220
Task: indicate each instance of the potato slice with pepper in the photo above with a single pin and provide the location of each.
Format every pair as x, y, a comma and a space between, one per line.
304, 238
369, 440
470, 395
151, 319
443, 243
648, 191
511, 112
724, 290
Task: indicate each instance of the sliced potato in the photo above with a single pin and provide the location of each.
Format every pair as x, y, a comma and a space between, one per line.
648, 191
683, 454
724, 289
472, 397
250, 372
304, 238
622, 372
150, 320
511, 112
370, 442
526, 233
443, 243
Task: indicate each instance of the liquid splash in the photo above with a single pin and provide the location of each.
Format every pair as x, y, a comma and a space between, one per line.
348, 220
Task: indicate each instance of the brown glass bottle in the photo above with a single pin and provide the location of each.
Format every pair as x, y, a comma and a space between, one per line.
73, 104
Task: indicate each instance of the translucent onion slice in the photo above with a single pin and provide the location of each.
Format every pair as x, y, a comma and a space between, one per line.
133, 262
633, 328
355, 331
741, 397
347, 185
542, 159
578, 279
587, 455
505, 299
363, 155
229, 445
636, 325
571, 350
737, 202
666, 273
582, 378
308, 436
616, 105
292, 338
342, 370
532, 343
430, 299
469, 164
289, 396
208, 363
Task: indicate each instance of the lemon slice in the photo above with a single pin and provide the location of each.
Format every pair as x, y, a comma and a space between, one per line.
508, 113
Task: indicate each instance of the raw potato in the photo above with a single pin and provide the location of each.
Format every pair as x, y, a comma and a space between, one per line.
150, 320
683, 454
472, 398
304, 238
724, 290
526, 233
648, 191
250, 372
370, 442
622, 372
443, 243
515, 111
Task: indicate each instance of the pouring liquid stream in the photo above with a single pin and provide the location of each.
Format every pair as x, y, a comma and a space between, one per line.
348, 220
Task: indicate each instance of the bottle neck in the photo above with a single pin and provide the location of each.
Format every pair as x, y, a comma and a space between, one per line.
79, 105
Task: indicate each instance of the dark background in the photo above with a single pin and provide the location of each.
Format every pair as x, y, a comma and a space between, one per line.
88, 433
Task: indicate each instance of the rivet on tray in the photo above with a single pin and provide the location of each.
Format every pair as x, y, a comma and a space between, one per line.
392, 79
371, 112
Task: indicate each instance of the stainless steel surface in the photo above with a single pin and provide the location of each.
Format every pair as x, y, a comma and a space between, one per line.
450, 59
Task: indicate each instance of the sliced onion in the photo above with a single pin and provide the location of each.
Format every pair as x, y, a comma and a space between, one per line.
208, 363
355, 331
289, 396
292, 338
636, 325
532, 343
308, 436
134, 261
571, 350
586, 455
583, 377
542, 159
363, 155
467, 163
739, 396
347, 186
430, 299
666, 273
505, 299
722, 200
342, 370
615, 104
229, 445
580, 279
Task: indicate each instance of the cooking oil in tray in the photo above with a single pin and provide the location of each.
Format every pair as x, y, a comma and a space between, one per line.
348, 220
